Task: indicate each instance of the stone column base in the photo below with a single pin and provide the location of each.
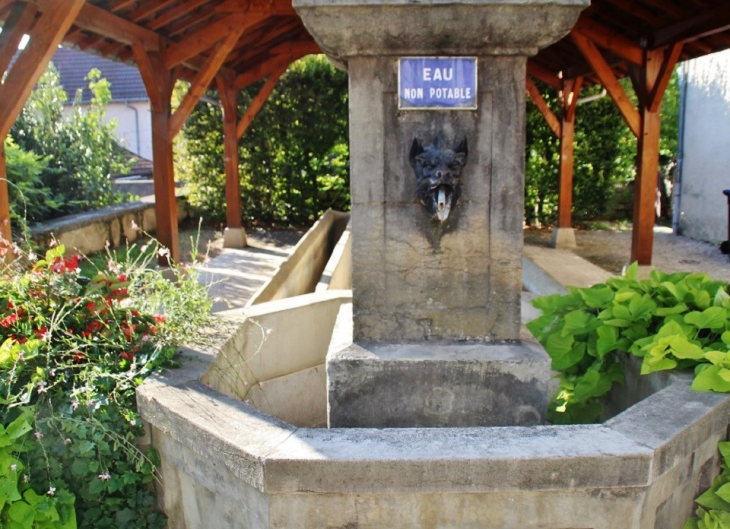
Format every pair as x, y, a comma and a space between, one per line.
234, 238
563, 238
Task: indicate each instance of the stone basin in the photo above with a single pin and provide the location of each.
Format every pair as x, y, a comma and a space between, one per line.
227, 464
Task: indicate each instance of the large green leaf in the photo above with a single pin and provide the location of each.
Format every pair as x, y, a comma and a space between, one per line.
709, 378
711, 318
563, 351
597, 296
683, 349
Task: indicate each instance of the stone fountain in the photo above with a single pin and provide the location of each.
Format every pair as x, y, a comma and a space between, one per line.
432, 396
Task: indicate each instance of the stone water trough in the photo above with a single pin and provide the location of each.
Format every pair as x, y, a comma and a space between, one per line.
241, 431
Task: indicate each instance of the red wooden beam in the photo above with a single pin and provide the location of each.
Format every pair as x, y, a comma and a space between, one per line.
536, 97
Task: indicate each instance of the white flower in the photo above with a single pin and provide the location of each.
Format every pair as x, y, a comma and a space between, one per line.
13, 467
37, 435
105, 476
67, 441
134, 226
26, 479
163, 252
51, 491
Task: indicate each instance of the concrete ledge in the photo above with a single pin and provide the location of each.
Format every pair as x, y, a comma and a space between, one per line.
90, 231
549, 270
234, 238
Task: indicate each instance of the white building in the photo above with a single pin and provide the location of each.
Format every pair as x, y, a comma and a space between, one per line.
130, 104
701, 209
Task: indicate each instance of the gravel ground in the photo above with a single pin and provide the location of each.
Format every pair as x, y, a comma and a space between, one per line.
611, 250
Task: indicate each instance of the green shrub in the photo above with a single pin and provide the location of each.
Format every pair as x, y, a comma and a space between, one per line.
671, 321
714, 510
294, 158
30, 199
73, 349
79, 152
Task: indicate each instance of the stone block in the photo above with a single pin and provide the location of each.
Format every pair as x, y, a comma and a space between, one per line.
563, 238
427, 385
234, 238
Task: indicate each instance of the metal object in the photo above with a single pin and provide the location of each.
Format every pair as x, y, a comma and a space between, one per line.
438, 171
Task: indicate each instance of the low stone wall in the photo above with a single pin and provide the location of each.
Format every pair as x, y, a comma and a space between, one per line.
88, 232
303, 270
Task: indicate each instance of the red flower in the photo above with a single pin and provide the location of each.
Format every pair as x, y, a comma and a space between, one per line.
159, 319
41, 333
90, 306
122, 278
10, 305
19, 339
126, 356
78, 358
8, 320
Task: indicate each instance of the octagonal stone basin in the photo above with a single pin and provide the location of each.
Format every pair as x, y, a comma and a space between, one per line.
225, 463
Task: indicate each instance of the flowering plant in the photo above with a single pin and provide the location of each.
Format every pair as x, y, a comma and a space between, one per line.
73, 349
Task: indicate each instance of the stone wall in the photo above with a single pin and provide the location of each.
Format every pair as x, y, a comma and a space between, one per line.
89, 232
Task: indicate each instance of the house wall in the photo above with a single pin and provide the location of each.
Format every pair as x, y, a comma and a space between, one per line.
705, 170
126, 129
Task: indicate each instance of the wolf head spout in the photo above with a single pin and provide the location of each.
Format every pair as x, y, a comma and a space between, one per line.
438, 172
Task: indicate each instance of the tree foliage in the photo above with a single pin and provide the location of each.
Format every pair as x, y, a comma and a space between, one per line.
75, 155
294, 158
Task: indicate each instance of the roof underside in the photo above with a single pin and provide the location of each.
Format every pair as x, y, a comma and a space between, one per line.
275, 34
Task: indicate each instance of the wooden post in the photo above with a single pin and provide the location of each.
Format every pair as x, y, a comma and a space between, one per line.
568, 100
5, 233
654, 78
234, 236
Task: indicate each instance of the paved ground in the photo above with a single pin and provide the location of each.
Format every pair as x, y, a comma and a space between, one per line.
611, 250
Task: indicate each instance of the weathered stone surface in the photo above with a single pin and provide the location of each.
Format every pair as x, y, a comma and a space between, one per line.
438, 385
347, 28
415, 280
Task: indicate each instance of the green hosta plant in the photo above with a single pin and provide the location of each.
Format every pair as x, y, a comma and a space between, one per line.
671, 321
714, 504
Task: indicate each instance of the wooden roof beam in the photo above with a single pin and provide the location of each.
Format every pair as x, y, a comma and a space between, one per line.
53, 23
258, 101
536, 97
202, 80
172, 15
106, 24
202, 39
19, 21
708, 23
149, 8
543, 74
263, 69
610, 40
272, 7
296, 47
609, 81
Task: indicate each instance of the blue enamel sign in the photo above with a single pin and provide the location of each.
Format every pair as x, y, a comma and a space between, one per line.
437, 83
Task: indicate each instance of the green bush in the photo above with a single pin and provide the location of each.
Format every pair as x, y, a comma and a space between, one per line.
73, 349
294, 158
78, 154
30, 198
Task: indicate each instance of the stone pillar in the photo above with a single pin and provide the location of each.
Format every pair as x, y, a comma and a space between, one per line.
417, 280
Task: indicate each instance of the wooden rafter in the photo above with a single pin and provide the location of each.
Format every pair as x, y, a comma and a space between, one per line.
174, 14
543, 74
271, 7
608, 79
297, 47
149, 8
263, 70
199, 41
258, 101
18, 23
609, 39
702, 25
201, 82
536, 97
49, 29
123, 31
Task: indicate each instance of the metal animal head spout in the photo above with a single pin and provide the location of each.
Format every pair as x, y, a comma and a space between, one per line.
438, 172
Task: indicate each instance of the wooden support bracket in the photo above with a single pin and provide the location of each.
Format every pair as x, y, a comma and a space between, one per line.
551, 119
259, 101
609, 80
